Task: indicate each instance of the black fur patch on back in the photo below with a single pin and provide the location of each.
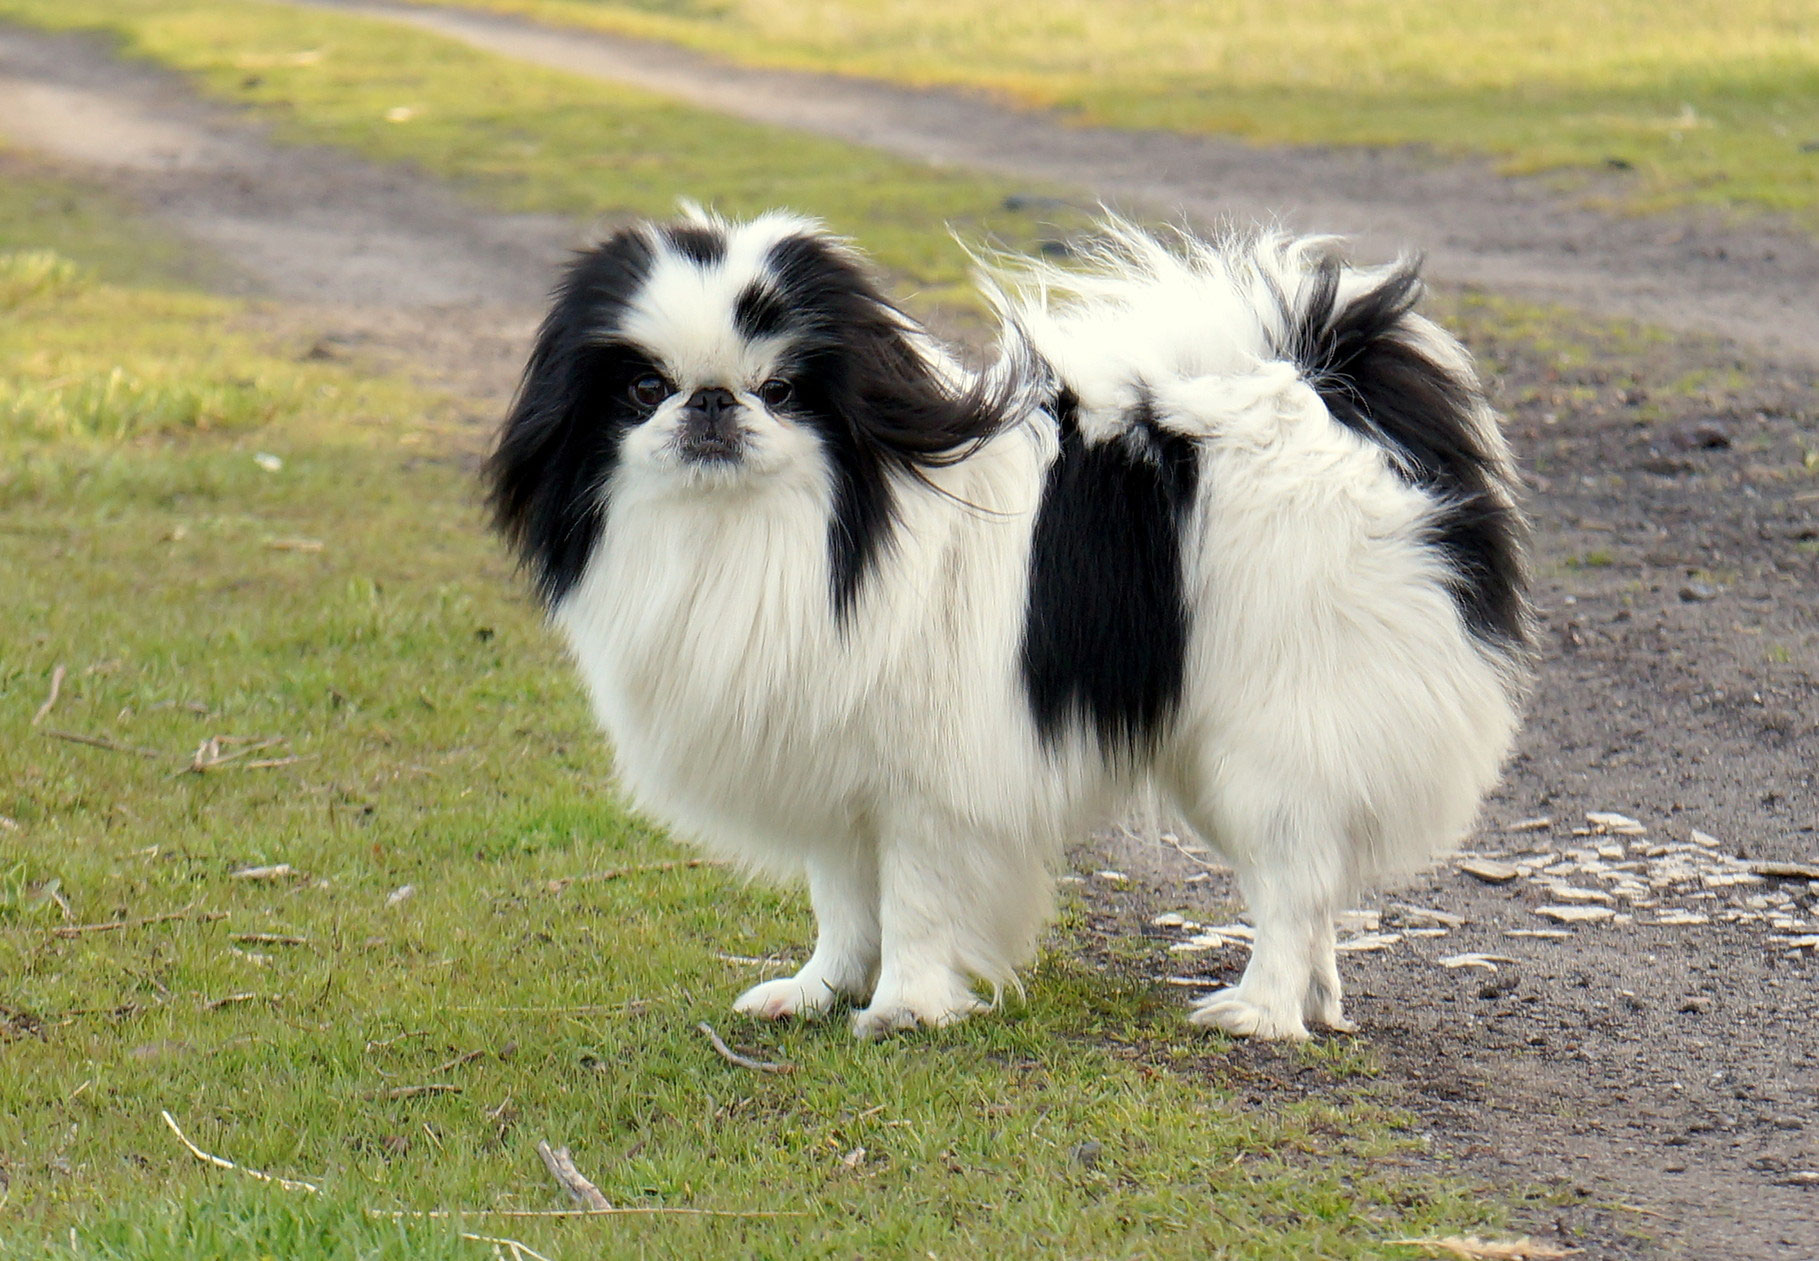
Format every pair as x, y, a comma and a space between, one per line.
1105, 631
548, 474
1376, 381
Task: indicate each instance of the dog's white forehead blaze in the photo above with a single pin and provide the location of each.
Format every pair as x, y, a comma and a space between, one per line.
684, 314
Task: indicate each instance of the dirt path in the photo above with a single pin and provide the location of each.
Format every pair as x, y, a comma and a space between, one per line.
1754, 285
1661, 1079
374, 256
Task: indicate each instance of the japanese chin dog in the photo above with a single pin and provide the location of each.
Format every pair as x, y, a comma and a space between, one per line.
1226, 524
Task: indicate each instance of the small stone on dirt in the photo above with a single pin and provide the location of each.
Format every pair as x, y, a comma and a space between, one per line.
1368, 942
1486, 870
1570, 893
1487, 962
1706, 435
1575, 914
1786, 871
1698, 592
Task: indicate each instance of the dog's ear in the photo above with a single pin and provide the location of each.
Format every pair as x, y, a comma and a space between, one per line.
547, 476
885, 397
879, 371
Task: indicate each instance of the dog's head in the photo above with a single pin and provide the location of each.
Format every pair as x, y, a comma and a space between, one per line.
701, 358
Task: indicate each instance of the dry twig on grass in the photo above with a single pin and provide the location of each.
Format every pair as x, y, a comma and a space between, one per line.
519, 1249
563, 1170
411, 1092
266, 764
209, 755
381, 1044
275, 872
1473, 1248
108, 926
51, 700
466, 1058
584, 1009
289, 1184
743, 1061
102, 742
653, 1210
269, 939
619, 873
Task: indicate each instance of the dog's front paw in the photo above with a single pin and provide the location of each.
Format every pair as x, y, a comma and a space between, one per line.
787, 996
887, 1016
1242, 1016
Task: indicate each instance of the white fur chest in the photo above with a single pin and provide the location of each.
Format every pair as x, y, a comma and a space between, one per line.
704, 632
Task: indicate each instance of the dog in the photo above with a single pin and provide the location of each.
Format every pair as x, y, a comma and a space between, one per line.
1226, 522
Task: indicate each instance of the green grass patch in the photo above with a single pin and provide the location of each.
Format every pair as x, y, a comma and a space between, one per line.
299, 863
1709, 102
533, 139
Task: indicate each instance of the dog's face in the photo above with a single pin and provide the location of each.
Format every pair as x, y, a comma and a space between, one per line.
717, 352
705, 359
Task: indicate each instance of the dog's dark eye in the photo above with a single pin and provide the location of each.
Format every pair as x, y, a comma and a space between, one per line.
649, 390
775, 392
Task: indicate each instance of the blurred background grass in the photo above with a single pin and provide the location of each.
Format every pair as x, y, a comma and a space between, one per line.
1693, 102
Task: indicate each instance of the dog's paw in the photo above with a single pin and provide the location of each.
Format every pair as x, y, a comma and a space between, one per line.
1241, 1016
1332, 1017
787, 997
882, 1019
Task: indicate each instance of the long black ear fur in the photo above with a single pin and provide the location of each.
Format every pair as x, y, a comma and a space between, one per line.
546, 478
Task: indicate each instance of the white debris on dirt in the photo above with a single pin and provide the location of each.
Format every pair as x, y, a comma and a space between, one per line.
1575, 914
1608, 872
1213, 938
1474, 960
1486, 870
1367, 942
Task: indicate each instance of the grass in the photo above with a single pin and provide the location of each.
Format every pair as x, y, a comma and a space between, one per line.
532, 139
222, 542
1705, 102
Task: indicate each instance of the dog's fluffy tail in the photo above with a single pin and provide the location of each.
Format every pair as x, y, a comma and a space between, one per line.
1138, 309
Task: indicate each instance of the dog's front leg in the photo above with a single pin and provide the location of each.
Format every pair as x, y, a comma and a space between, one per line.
929, 901
843, 887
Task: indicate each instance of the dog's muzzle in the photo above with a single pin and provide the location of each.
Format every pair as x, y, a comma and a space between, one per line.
708, 428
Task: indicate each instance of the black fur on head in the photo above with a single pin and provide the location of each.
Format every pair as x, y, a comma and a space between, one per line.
1370, 368
864, 377
547, 476
883, 405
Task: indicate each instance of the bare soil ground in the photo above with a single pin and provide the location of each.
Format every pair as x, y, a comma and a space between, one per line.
1659, 1084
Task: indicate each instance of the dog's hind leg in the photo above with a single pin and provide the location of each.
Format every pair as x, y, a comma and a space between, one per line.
1293, 877
843, 887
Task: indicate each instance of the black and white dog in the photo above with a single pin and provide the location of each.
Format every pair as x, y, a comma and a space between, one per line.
1227, 523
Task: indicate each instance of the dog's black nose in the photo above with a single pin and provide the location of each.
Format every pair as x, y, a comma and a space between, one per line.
709, 427
711, 401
